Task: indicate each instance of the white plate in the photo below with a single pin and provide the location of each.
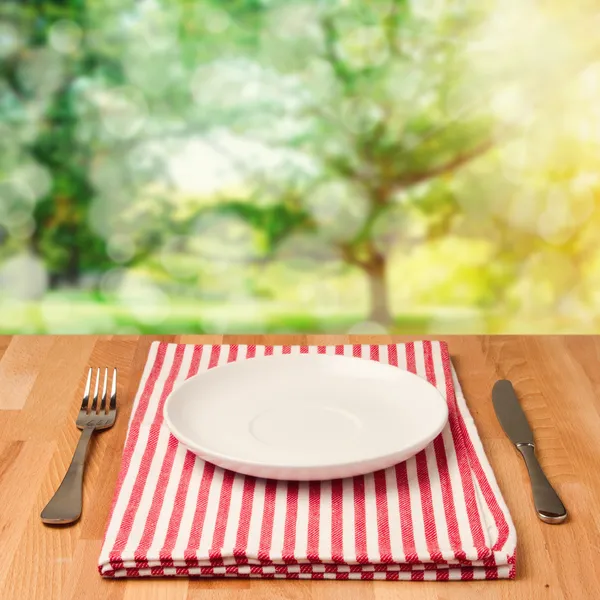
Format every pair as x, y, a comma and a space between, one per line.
306, 416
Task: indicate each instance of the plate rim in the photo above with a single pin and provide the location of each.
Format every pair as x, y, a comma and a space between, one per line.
201, 450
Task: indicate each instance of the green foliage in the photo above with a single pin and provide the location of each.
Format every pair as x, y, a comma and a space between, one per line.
141, 120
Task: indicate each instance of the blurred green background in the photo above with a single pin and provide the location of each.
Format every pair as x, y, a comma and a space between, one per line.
424, 166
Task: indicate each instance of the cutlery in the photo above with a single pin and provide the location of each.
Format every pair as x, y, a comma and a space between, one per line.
548, 505
65, 505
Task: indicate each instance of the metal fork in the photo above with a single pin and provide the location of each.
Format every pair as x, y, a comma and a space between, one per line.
65, 506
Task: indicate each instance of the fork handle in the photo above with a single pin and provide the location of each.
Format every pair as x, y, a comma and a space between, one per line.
65, 506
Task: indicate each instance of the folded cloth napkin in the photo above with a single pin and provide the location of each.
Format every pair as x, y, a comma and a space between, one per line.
437, 516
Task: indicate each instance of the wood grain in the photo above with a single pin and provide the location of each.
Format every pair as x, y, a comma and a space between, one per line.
18, 369
557, 379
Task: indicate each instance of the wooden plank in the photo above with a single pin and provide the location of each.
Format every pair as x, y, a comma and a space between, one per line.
19, 368
104, 457
23, 467
83, 578
4, 343
201, 339
148, 590
55, 396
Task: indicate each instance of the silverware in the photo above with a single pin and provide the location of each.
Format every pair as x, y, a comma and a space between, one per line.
548, 505
65, 505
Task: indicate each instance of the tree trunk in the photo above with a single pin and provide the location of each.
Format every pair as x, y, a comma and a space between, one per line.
72, 272
376, 274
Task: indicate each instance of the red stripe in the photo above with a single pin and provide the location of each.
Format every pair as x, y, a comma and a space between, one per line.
163, 480
406, 522
214, 356
321, 350
411, 363
512, 561
339, 350
393, 355
444, 474
357, 350
241, 542
228, 478
430, 528
383, 524
489, 496
427, 508
195, 364
491, 573
337, 524
177, 514
233, 352
222, 516
157, 499
314, 511
184, 481
303, 349
286, 349
268, 350
200, 512
266, 533
291, 517
374, 352
251, 351
360, 520
463, 459
465, 573
144, 468
138, 417
484, 484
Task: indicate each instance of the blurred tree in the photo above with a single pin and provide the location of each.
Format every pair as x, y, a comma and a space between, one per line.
364, 89
42, 76
358, 125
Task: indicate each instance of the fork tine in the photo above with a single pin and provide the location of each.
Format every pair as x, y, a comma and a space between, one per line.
86, 394
113, 393
103, 403
95, 400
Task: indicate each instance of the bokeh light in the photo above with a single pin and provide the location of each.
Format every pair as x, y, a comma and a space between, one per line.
23, 277
10, 39
364, 47
367, 328
122, 111
41, 71
423, 166
339, 208
142, 299
65, 36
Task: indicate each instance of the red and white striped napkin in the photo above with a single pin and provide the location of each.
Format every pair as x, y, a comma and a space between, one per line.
438, 516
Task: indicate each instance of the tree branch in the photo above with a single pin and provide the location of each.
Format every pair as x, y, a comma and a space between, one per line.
391, 28
343, 75
447, 167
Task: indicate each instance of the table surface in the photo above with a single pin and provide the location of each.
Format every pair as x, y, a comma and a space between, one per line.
557, 379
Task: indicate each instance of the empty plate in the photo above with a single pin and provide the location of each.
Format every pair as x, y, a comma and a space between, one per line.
304, 417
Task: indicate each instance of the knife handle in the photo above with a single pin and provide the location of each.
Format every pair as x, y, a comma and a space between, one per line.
548, 505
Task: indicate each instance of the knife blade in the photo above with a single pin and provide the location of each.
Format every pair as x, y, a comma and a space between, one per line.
549, 506
510, 414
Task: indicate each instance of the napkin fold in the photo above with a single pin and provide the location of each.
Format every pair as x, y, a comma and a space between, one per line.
437, 516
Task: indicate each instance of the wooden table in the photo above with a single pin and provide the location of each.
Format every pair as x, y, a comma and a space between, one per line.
41, 383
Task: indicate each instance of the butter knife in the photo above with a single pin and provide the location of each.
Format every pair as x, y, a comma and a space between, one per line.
548, 505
